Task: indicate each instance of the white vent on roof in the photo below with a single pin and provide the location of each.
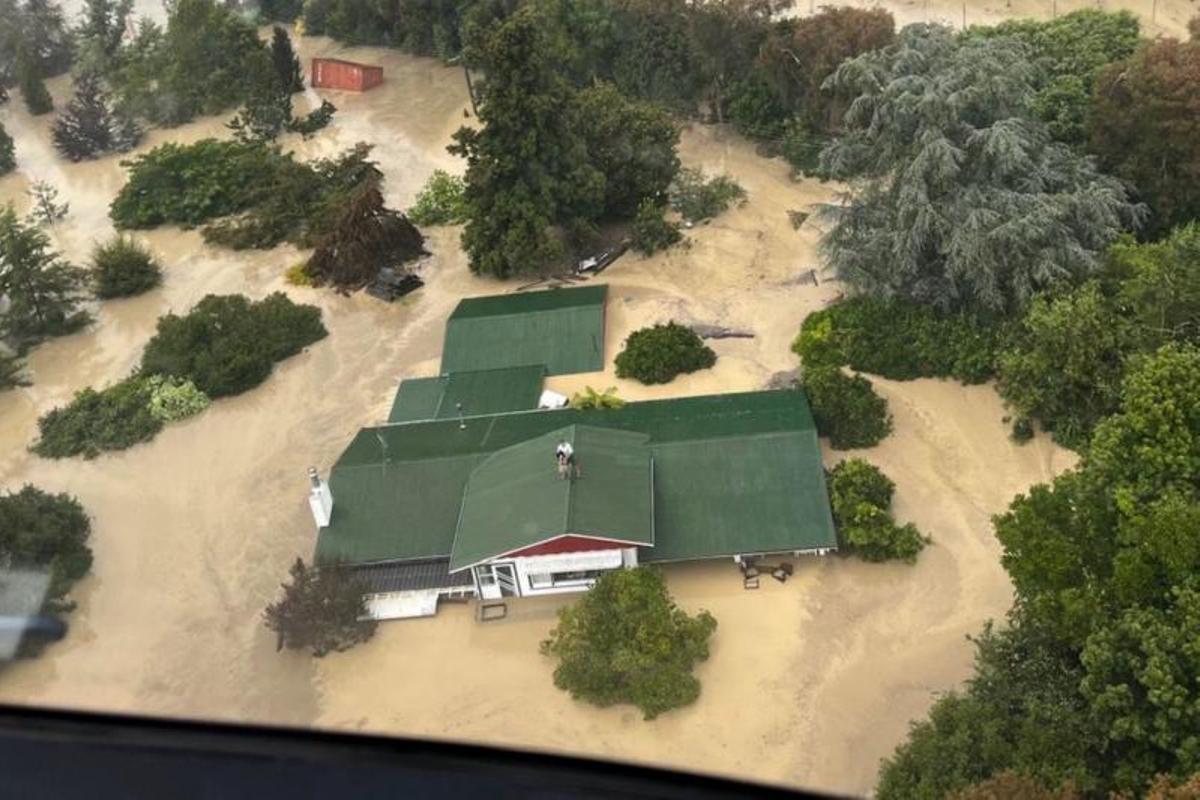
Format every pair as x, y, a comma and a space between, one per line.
551, 399
320, 499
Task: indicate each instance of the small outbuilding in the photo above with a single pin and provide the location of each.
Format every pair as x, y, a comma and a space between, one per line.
333, 73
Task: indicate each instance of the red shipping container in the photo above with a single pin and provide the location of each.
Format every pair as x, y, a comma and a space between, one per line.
333, 73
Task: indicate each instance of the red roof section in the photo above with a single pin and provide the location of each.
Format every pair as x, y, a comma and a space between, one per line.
569, 544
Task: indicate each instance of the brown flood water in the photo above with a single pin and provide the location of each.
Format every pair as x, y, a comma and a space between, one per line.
810, 683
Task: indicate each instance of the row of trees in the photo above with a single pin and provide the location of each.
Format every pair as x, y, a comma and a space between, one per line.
981, 238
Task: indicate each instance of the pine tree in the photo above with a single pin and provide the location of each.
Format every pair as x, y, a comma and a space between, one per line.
959, 196
266, 112
11, 367
8, 160
29, 77
102, 29
43, 290
89, 128
287, 65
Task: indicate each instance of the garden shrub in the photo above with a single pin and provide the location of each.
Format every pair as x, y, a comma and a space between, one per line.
590, 398
625, 641
441, 201
122, 267
226, 344
698, 198
45, 533
800, 148
173, 399
651, 232
297, 275
659, 353
257, 196
314, 120
755, 110
114, 418
846, 408
861, 496
900, 340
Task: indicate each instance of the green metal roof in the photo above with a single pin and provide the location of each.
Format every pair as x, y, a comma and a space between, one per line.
561, 328
488, 391
515, 497
733, 473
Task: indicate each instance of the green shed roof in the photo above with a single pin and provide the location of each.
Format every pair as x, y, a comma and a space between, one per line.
487, 391
733, 473
561, 328
515, 497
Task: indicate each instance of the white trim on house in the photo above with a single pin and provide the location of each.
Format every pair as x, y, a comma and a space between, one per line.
411, 603
593, 536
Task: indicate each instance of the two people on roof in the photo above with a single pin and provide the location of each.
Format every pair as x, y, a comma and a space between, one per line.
564, 455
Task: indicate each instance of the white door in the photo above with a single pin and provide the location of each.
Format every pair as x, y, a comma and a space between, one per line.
506, 577
496, 581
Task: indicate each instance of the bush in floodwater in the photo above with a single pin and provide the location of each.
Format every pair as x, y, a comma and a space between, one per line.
625, 641
659, 353
698, 198
846, 408
94, 421
227, 344
122, 267
651, 232
861, 496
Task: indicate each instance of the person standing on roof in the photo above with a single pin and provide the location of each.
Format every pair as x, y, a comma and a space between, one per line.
564, 454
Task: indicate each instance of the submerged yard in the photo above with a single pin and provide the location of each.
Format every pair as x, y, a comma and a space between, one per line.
810, 682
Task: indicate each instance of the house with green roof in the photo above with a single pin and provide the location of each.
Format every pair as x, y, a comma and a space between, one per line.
473, 502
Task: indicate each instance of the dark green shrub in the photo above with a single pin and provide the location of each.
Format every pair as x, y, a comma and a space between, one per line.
112, 419
314, 120
45, 533
188, 184
651, 232
227, 344
321, 611
659, 353
860, 496
900, 340
266, 197
755, 110
122, 267
625, 641
846, 408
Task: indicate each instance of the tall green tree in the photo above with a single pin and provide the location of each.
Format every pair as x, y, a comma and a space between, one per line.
528, 167
1161, 286
33, 88
625, 641
1070, 52
42, 289
800, 54
1145, 127
287, 65
631, 143
89, 126
1067, 362
959, 196
102, 30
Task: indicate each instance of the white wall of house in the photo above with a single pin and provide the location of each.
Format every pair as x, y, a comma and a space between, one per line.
411, 603
560, 573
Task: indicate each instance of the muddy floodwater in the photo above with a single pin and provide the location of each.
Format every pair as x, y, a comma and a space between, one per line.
809, 683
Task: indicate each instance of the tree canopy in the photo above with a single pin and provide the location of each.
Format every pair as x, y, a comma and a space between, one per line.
321, 611
1145, 127
43, 290
960, 198
625, 641
90, 126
